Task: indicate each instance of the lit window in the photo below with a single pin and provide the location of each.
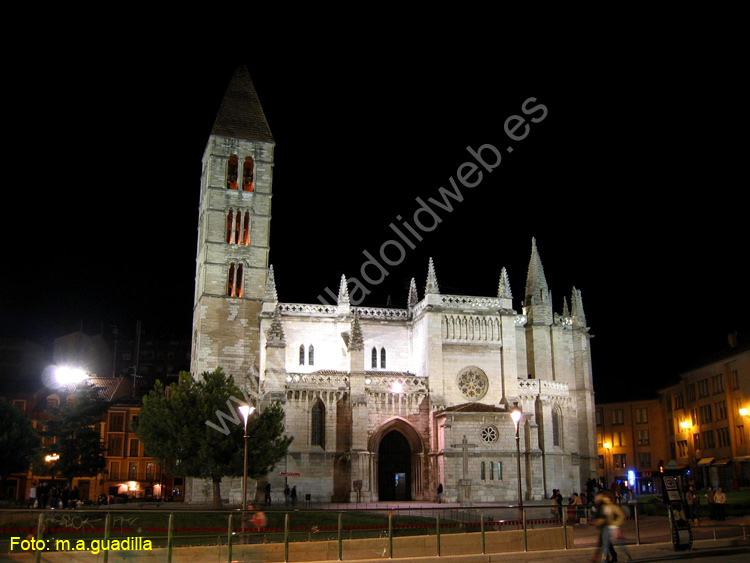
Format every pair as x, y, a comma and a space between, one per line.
248, 175
232, 173
234, 280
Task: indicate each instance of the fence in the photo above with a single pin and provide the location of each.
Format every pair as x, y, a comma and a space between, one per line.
333, 534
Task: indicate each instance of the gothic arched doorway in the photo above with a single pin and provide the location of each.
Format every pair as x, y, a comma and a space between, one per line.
394, 467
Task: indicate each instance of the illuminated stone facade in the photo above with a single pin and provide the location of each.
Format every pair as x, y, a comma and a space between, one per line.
386, 403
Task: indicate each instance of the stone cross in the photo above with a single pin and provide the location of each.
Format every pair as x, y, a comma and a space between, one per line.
465, 446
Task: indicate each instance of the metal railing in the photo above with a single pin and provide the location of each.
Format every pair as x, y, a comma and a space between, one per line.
97, 530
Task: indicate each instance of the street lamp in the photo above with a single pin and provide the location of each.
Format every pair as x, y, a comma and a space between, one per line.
516, 414
607, 447
69, 377
246, 411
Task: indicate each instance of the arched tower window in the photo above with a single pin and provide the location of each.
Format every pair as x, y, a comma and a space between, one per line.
246, 229
382, 358
230, 222
248, 175
232, 168
374, 362
482, 475
234, 280
302, 354
556, 426
317, 424
311, 356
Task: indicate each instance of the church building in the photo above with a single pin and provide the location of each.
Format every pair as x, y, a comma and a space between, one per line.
386, 404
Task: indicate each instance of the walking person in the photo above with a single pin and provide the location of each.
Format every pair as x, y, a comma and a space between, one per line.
598, 520
720, 498
691, 504
286, 495
32, 496
293, 495
440, 492
611, 533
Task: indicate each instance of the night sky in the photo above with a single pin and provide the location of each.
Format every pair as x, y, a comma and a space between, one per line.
630, 185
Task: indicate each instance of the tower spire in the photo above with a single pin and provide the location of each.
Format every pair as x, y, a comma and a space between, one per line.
356, 339
413, 296
432, 283
579, 317
343, 291
503, 288
537, 301
241, 115
270, 293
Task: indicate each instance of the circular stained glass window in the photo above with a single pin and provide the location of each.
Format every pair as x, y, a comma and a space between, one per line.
473, 383
489, 434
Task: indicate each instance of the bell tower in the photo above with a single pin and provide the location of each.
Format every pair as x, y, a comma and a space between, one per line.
233, 234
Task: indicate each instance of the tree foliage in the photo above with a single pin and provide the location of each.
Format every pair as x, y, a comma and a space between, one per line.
77, 441
19, 441
193, 429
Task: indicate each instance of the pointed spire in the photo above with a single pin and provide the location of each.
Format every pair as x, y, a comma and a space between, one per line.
240, 114
275, 334
343, 291
566, 311
413, 296
270, 293
356, 339
579, 317
503, 288
432, 283
536, 283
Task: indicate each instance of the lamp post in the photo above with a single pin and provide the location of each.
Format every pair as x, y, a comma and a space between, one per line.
607, 447
516, 414
246, 411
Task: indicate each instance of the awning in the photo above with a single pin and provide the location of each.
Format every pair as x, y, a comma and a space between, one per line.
743, 458
705, 461
723, 461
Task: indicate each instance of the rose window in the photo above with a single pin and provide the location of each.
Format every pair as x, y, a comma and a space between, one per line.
489, 434
473, 383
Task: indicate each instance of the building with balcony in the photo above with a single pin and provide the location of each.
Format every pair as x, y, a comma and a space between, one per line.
706, 418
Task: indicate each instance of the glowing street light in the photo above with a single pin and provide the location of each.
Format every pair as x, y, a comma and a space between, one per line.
245, 411
685, 425
516, 414
744, 412
69, 377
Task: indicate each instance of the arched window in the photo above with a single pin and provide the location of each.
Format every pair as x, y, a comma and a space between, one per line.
232, 173
246, 229
317, 425
374, 362
311, 356
248, 175
482, 475
230, 280
230, 222
382, 358
234, 280
492, 471
302, 354
556, 426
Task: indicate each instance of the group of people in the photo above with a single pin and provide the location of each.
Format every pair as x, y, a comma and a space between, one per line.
290, 496
714, 496
47, 495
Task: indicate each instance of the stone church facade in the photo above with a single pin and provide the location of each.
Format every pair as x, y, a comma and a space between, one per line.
386, 403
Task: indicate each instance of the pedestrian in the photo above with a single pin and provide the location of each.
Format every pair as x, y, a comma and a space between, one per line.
611, 532
268, 494
720, 498
711, 506
598, 520
440, 492
32, 496
286, 495
691, 504
576, 503
293, 495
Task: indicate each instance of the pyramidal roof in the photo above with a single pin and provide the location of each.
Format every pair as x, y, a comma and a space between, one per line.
240, 114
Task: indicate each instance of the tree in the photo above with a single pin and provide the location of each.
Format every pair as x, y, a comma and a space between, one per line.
177, 427
77, 441
19, 442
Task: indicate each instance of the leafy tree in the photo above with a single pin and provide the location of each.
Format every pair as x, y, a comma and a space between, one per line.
178, 427
19, 441
78, 443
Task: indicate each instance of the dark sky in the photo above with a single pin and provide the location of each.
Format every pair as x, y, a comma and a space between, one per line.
631, 186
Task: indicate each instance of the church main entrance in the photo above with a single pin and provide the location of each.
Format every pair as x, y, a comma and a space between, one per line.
394, 467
